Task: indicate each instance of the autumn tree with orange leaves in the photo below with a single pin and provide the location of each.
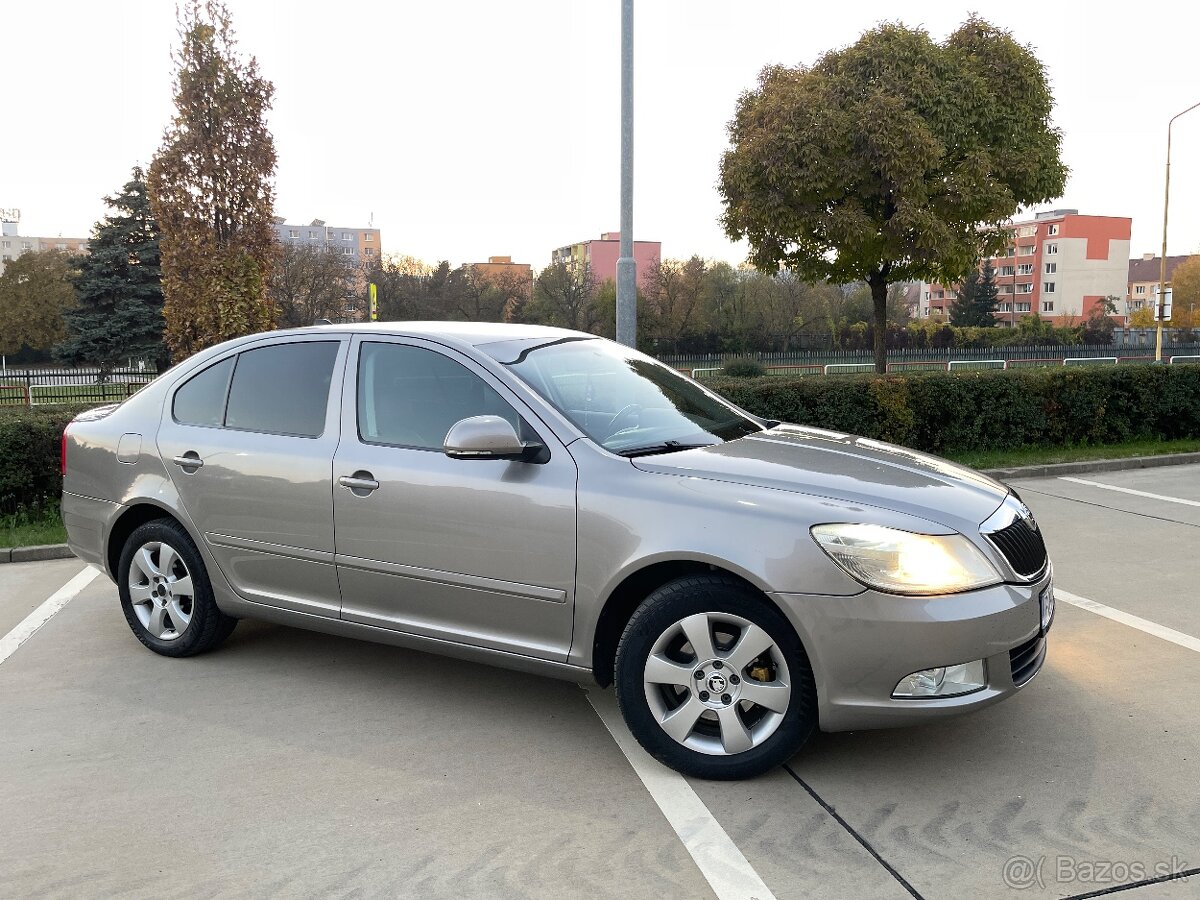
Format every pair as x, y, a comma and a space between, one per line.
211, 189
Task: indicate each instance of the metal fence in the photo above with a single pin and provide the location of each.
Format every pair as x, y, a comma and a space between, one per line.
45, 386
804, 362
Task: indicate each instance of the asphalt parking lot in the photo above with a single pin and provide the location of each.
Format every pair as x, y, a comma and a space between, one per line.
293, 764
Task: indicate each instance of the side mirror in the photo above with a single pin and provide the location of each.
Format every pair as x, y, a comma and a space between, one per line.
489, 437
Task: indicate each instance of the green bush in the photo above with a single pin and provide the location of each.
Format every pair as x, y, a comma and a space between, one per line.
743, 367
987, 410
30, 444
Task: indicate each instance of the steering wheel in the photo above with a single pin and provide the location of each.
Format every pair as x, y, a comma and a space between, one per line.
624, 413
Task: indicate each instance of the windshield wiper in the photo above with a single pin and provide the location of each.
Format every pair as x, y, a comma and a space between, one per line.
664, 447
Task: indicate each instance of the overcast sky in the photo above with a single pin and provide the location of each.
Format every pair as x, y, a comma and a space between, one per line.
469, 129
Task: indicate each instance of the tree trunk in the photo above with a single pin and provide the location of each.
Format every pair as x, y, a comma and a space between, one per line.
879, 288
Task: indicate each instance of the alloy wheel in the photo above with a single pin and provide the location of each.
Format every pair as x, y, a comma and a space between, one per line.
717, 683
161, 591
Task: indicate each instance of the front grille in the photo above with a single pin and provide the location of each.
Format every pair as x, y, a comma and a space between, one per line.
1027, 659
1022, 545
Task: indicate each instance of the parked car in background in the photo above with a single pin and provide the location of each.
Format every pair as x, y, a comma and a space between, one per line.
554, 502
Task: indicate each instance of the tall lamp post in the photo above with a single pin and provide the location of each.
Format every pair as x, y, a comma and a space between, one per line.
626, 265
1162, 275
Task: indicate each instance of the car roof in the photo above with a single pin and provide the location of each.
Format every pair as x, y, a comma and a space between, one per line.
470, 333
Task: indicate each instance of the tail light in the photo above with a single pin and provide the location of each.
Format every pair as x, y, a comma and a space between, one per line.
63, 453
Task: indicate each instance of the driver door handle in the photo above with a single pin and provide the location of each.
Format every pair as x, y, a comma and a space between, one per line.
359, 481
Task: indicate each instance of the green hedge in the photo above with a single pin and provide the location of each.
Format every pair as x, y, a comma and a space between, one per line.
30, 443
987, 410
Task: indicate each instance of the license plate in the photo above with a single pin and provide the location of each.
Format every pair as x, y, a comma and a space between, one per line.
1047, 604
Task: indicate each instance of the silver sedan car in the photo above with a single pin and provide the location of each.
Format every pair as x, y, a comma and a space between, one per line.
554, 502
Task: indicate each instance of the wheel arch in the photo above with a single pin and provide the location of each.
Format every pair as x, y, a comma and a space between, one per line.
134, 516
638, 584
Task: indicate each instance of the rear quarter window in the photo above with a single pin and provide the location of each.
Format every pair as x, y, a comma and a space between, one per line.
201, 399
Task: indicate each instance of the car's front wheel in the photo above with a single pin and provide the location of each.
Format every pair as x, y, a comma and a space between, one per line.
165, 592
713, 681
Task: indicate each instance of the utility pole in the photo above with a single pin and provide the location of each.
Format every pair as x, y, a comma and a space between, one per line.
1162, 276
626, 266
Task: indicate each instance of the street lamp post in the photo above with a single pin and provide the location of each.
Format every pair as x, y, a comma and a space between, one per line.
626, 265
1162, 275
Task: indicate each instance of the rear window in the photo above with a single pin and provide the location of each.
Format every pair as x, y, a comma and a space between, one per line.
201, 400
282, 389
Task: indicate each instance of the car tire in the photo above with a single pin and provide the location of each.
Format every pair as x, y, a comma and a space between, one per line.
734, 735
166, 594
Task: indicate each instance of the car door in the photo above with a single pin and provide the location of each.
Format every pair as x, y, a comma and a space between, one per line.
249, 443
475, 551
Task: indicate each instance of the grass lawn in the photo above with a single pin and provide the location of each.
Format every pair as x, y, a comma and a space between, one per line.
28, 531
1038, 456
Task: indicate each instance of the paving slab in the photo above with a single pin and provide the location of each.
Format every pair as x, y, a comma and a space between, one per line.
293, 763
1096, 760
1141, 565
25, 586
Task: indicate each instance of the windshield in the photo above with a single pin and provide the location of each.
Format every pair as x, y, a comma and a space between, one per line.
625, 402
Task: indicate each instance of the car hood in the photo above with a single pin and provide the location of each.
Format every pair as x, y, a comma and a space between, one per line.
843, 467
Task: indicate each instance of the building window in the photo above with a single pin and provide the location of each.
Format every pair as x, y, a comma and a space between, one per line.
1051, 249
1051, 268
1025, 269
368, 237
1139, 289
1006, 270
347, 251
347, 236
7, 244
1023, 307
1052, 230
368, 251
1024, 288
1004, 307
1025, 250
312, 236
1048, 287
940, 295
26, 245
294, 233
1027, 231
1047, 306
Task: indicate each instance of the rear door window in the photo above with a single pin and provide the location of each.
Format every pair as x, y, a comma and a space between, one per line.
282, 389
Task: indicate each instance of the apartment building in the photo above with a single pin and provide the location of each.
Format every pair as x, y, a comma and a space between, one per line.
359, 245
502, 267
1144, 275
1059, 264
13, 243
601, 256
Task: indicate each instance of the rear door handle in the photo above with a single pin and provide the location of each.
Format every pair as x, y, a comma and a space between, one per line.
190, 460
361, 483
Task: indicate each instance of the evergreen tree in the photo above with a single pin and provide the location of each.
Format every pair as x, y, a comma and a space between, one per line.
119, 285
976, 301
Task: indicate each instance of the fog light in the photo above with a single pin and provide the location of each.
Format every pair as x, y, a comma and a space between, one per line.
943, 681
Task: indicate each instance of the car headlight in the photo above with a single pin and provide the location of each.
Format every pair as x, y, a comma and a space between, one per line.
901, 562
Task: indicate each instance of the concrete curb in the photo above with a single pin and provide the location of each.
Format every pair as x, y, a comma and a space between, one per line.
35, 554
1053, 470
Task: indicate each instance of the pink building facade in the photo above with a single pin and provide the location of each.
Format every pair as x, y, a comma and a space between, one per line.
601, 256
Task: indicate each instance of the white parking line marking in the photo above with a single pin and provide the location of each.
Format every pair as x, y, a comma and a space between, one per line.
1117, 615
40, 616
720, 861
1124, 490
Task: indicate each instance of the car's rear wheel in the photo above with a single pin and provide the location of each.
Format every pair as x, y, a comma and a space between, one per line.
713, 681
165, 592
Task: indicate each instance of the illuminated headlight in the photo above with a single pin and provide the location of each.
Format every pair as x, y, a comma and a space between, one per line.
944, 681
901, 562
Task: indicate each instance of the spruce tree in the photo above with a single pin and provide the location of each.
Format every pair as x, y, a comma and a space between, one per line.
976, 301
119, 286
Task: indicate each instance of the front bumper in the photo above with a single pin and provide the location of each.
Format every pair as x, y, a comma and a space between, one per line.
861, 646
